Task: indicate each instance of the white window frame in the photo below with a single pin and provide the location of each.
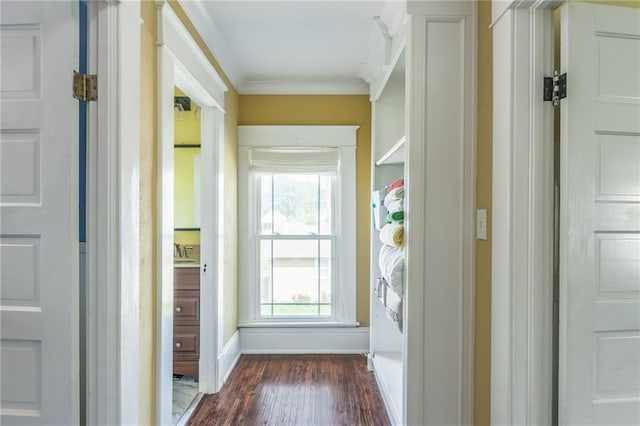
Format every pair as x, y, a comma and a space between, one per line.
344, 279
256, 239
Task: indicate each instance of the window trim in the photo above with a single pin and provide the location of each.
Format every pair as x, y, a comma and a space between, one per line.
344, 280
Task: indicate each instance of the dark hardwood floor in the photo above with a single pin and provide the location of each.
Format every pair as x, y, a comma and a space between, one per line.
296, 390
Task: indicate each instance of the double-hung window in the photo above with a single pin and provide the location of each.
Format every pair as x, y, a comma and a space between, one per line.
300, 258
295, 240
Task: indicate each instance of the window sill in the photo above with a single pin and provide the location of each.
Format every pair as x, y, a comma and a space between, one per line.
298, 324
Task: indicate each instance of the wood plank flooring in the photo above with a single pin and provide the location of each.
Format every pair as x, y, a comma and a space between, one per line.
296, 390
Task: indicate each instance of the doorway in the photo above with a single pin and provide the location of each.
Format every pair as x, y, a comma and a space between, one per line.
594, 351
186, 291
182, 64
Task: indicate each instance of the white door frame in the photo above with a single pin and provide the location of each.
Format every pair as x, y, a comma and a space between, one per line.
182, 63
522, 232
113, 213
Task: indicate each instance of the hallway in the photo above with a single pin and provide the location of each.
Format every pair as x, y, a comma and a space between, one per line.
296, 390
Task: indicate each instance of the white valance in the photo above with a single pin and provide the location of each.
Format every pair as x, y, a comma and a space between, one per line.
294, 160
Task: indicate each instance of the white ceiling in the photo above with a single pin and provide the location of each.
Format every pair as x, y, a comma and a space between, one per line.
295, 46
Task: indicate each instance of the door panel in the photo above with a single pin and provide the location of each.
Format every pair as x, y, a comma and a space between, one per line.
38, 210
600, 217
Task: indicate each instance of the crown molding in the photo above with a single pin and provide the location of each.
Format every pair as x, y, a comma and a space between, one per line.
208, 28
304, 87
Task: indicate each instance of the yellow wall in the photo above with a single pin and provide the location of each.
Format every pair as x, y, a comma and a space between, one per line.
148, 203
328, 110
624, 3
187, 132
148, 219
184, 188
186, 124
482, 386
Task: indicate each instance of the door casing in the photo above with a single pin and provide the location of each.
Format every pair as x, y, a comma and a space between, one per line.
113, 158
522, 214
182, 63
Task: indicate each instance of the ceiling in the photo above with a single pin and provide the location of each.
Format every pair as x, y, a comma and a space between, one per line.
295, 46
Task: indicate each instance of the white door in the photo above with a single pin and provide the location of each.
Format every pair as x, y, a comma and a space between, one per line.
38, 209
599, 366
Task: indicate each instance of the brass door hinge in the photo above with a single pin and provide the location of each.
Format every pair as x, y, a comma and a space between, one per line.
85, 86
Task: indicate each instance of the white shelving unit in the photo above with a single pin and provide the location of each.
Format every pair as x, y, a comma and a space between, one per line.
395, 155
423, 129
386, 339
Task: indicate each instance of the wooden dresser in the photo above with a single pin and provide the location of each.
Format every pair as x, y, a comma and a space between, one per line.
186, 321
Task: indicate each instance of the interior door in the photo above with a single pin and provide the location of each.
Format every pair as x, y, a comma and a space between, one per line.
599, 366
39, 213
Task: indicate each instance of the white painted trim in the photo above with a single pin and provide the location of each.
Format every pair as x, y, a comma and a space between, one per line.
344, 137
206, 24
294, 324
94, 251
438, 365
341, 136
303, 87
500, 7
229, 357
468, 304
378, 85
128, 181
189, 57
278, 340
385, 368
186, 416
212, 234
164, 330
384, 54
180, 61
522, 232
113, 214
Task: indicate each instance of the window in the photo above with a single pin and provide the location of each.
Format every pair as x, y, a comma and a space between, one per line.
296, 243
297, 228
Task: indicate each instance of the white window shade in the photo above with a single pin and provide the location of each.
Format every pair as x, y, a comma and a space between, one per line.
294, 160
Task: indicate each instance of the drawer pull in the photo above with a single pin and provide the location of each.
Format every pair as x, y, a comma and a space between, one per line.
178, 345
178, 309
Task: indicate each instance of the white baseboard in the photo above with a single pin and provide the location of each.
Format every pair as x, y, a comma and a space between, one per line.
229, 356
295, 340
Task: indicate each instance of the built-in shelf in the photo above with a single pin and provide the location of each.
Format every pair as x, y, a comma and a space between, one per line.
394, 156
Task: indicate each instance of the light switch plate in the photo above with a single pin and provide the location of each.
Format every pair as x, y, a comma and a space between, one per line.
481, 224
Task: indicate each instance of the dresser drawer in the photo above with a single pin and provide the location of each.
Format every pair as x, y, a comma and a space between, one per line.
186, 321
186, 278
186, 307
186, 340
187, 368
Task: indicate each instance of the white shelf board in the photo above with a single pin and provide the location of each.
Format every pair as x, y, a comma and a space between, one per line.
387, 367
395, 155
